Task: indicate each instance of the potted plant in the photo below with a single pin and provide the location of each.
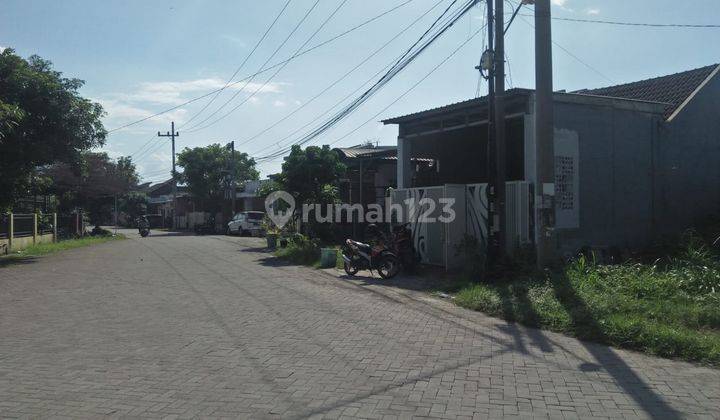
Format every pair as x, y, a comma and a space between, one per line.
272, 233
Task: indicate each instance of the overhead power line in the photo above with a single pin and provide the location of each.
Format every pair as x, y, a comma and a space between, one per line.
349, 95
641, 24
575, 57
321, 44
307, 41
416, 84
343, 77
413, 52
237, 70
150, 151
137, 153
279, 47
396, 100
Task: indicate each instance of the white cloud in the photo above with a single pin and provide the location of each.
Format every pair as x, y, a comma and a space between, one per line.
562, 4
279, 103
119, 112
162, 157
593, 11
173, 93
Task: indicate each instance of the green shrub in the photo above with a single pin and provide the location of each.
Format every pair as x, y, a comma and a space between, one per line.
301, 250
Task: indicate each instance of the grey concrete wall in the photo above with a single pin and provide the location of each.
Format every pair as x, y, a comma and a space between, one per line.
615, 175
688, 157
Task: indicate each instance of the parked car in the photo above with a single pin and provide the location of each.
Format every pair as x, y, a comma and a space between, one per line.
246, 223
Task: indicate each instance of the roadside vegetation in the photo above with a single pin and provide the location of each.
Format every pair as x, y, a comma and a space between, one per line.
299, 249
53, 247
666, 303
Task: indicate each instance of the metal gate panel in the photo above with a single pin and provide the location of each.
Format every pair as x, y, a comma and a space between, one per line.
428, 238
436, 242
456, 229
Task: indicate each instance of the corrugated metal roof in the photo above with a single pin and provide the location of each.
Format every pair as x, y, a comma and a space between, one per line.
672, 89
475, 102
365, 151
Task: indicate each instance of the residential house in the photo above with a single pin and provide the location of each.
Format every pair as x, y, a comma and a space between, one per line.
632, 162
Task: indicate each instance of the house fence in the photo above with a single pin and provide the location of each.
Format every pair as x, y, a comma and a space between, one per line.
21, 230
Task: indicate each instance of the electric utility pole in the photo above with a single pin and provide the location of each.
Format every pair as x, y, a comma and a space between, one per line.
544, 136
172, 134
500, 147
487, 70
233, 174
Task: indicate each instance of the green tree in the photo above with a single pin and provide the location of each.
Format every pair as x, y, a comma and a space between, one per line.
133, 203
311, 176
93, 185
207, 169
306, 174
43, 120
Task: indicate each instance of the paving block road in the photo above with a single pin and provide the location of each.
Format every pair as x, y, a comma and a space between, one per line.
174, 326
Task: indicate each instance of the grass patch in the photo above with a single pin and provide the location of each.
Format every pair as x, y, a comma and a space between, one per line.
301, 250
50, 248
669, 307
304, 251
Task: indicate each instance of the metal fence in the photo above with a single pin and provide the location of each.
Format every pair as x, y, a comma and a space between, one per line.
4, 225
24, 225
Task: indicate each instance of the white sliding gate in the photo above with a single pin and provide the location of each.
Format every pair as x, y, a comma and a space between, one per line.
437, 242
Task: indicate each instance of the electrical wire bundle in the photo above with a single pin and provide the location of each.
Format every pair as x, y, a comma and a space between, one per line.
444, 22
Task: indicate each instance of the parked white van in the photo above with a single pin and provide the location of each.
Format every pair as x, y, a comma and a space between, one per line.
246, 223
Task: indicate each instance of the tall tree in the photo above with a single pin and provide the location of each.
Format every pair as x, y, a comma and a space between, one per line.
311, 176
306, 174
206, 169
43, 120
95, 184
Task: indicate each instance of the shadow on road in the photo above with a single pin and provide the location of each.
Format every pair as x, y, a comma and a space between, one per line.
516, 305
624, 376
16, 260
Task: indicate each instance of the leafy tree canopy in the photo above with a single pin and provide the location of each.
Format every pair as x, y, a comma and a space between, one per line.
43, 120
307, 174
207, 169
94, 184
134, 204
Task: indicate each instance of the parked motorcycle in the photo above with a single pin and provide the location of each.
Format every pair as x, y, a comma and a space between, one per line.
207, 228
402, 246
360, 256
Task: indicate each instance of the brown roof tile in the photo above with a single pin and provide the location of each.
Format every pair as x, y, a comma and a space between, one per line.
673, 89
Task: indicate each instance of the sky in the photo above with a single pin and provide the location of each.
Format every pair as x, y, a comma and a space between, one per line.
141, 57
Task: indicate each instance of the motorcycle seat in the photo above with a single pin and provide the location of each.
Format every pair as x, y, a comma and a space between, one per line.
362, 246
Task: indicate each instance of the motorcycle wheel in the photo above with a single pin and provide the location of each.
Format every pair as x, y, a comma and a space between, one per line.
350, 269
144, 233
388, 267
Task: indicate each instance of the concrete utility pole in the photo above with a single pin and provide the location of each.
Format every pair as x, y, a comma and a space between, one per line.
172, 134
500, 147
487, 63
544, 136
233, 174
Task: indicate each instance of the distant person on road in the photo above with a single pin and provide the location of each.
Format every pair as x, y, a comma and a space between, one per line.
143, 222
